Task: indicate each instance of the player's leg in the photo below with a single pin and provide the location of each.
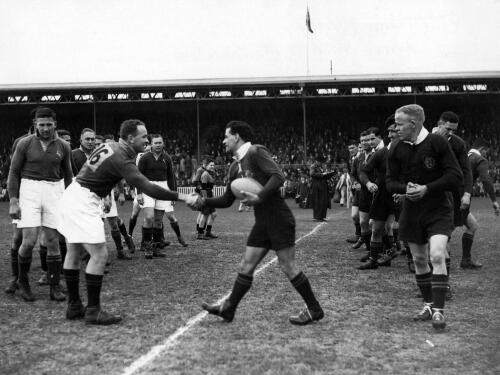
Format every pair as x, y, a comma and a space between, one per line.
29, 237
201, 227
93, 275
123, 231
158, 237
437, 250
147, 228
366, 234
136, 209
42, 245
75, 309
174, 223
17, 238
54, 263
252, 257
210, 223
117, 238
376, 245
471, 226
423, 276
286, 260
356, 240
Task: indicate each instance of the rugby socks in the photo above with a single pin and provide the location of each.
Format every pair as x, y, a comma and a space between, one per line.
201, 229
175, 227
157, 234
94, 284
63, 249
366, 239
375, 249
208, 230
387, 241
424, 282
439, 289
54, 269
241, 286
43, 257
131, 224
467, 240
14, 262
24, 269
302, 285
147, 235
123, 229
117, 238
395, 234
448, 265
357, 225
72, 284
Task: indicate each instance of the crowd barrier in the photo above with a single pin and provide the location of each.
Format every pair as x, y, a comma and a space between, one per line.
218, 190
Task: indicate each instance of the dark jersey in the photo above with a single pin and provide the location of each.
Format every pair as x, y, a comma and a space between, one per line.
31, 161
258, 164
78, 159
459, 149
158, 169
479, 168
207, 183
374, 169
431, 163
108, 164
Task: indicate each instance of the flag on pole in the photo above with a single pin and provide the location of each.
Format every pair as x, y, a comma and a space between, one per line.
308, 21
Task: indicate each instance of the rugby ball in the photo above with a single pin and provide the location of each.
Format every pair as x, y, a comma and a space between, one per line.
245, 184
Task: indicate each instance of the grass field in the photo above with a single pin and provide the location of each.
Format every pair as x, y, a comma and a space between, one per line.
368, 327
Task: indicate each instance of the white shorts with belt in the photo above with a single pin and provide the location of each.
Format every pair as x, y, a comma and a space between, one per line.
38, 201
79, 217
113, 211
156, 203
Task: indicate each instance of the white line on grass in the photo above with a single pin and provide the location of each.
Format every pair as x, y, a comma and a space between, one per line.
171, 340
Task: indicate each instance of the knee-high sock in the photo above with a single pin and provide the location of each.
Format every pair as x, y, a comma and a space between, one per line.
241, 286
366, 239
24, 269
147, 235
123, 229
467, 240
72, 284
131, 224
375, 249
43, 257
63, 248
424, 282
54, 269
94, 284
175, 227
115, 234
358, 229
302, 285
14, 263
439, 289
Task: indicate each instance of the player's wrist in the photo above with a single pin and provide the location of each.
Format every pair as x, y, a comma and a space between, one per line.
14, 200
467, 195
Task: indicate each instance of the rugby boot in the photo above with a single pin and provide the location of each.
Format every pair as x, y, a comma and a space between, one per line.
385, 259
75, 310
129, 241
121, 254
157, 251
210, 235
438, 321
12, 286
56, 293
148, 250
200, 236
358, 244
43, 279
225, 310
469, 264
370, 264
399, 249
449, 294
95, 315
365, 257
25, 292
424, 314
181, 241
353, 239
307, 316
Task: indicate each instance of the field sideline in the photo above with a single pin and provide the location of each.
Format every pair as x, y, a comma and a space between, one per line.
368, 327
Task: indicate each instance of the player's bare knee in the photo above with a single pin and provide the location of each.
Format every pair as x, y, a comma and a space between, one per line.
420, 261
437, 256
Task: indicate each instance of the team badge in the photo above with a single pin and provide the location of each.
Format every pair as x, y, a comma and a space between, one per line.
429, 162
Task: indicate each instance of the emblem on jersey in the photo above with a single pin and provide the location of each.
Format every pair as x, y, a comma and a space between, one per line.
429, 162
99, 155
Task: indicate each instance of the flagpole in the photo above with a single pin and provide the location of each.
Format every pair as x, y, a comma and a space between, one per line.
307, 51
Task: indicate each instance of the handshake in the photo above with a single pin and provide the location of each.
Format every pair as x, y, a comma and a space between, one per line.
193, 200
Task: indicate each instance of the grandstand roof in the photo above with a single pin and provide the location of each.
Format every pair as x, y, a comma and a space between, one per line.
262, 81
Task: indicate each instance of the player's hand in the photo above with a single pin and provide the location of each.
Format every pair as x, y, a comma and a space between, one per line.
14, 209
140, 199
465, 201
356, 186
251, 199
372, 188
121, 199
496, 208
415, 192
398, 198
106, 204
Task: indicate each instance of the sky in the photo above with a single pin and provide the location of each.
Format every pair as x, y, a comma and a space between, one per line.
56, 41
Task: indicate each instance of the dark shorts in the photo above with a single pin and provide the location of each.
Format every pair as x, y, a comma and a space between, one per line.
459, 216
274, 227
382, 206
207, 210
418, 223
355, 198
365, 200
397, 210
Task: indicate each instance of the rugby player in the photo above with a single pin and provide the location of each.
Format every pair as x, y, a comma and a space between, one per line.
157, 167
81, 154
356, 187
136, 207
197, 183
423, 167
39, 163
274, 226
80, 216
209, 213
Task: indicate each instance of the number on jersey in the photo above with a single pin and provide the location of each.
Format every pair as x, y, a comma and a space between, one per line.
98, 156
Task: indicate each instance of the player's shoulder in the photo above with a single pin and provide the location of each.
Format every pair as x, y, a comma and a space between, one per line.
26, 140
437, 140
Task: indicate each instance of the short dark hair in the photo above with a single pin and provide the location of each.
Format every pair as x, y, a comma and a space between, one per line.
390, 121
480, 143
156, 135
373, 130
242, 128
109, 136
129, 127
364, 133
97, 136
62, 132
85, 130
449, 116
41, 112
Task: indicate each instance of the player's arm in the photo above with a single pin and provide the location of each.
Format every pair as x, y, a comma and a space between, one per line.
171, 180
141, 165
224, 201
485, 178
393, 174
452, 175
266, 164
67, 170
464, 162
16, 165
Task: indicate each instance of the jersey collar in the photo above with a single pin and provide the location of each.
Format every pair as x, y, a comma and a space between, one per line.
420, 137
128, 149
474, 151
242, 151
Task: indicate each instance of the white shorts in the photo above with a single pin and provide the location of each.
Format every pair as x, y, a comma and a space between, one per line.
113, 211
38, 201
156, 203
80, 216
